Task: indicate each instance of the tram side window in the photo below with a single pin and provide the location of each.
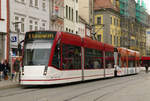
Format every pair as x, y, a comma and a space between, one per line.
56, 57
146, 62
131, 61
119, 60
93, 59
109, 60
71, 57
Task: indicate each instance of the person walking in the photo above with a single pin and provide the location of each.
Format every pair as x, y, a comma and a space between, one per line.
16, 67
6, 69
1, 69
146, 68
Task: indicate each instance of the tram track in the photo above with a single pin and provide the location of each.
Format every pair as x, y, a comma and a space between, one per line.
101, 88
18, 92
87, 89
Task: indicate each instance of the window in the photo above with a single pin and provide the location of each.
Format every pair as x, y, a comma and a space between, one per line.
43, 26
99, 37
30, 25
131, 61
69, 13
36, 3
115, 40
44, 5
20, 1
66, 29
111, 39
66, 11
22, 24
36, 25
98, 20
117, 22
16, 25
111, 20
57, 57
114, 21
0, 9
19, 24
109, 60
71, 57
31, 2
76, 16
93, 59
72, 14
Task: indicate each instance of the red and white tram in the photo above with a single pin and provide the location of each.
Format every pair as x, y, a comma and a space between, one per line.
128, 62
51, 57
145, 60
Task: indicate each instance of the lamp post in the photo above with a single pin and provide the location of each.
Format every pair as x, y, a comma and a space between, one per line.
115, 58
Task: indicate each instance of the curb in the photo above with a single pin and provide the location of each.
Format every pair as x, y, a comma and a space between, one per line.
10, 86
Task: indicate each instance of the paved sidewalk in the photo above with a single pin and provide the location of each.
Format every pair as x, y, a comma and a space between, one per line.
4, 84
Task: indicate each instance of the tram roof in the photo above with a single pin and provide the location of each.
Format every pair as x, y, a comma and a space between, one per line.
89, 43
72, 39
108, 47
145, 58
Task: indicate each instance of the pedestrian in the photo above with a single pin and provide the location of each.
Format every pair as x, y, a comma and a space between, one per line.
16, 68
1, 69
146, 68
6, 69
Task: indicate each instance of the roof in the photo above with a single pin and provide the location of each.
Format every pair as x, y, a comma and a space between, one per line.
99, 4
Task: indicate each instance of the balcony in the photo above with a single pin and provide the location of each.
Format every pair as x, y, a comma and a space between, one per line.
56, 17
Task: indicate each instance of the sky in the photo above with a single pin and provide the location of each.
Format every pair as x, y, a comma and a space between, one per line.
147, 5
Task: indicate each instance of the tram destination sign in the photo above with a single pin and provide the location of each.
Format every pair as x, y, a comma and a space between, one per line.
40, 35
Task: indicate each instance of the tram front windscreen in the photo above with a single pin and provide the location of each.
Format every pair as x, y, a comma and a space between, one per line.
37, 48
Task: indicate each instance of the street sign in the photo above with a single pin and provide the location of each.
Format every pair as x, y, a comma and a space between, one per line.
13, 39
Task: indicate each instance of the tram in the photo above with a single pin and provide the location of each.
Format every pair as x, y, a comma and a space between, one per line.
51, 57
128, 61
145, 60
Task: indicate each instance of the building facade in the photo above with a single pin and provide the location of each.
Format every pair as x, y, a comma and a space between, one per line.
133, 25
107, 21
128, 16
71, 16
4, 29
57, 14
147, 42
27, 15
86, 16
86, 10
65, 15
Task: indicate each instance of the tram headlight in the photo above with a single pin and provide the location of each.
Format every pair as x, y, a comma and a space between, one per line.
45, 72
22, 72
